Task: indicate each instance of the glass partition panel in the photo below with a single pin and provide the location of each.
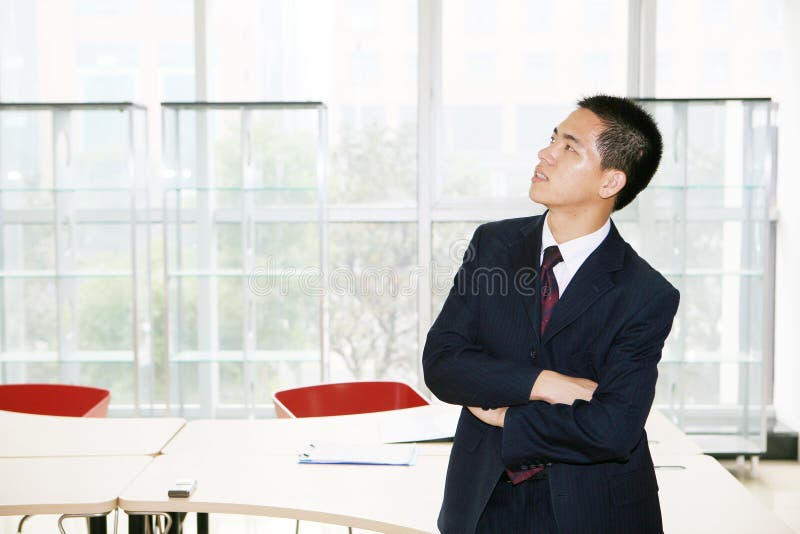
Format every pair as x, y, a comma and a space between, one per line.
705, 223
244, 190
74, 282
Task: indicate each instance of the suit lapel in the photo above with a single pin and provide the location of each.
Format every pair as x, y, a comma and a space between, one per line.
592, 280
525, 254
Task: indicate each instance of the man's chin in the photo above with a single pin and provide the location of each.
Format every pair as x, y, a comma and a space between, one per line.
536, 196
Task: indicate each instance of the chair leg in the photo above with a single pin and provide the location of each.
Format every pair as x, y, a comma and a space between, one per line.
149, 522
22, 522
157, 525
163, 529
96, 522
297, 528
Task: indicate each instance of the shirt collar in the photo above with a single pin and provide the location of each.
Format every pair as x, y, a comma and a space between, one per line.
575, 251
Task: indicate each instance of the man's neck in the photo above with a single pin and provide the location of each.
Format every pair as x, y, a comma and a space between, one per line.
568, 225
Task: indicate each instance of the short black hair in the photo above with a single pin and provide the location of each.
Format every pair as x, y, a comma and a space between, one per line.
630, 142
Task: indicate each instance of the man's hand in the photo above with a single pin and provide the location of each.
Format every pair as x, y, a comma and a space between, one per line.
555, 388
494, 417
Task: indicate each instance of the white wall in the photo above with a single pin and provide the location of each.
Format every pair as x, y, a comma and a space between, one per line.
787, 291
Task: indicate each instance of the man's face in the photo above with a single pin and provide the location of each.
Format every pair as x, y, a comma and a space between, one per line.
569, 174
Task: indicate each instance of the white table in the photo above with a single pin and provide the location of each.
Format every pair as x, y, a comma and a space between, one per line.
700, 497
287, 436
705, 498
84, 485
74, 465
219, 442
391, 499
223, 438
41, 435
665, 437
26, 435
250, 467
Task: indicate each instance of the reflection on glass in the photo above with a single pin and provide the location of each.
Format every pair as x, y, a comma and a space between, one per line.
103, 307
29, 312
28, 247
731, 62
501, 95
363, 68
102, 247
449, 241
98, 150
372, 301
25, 143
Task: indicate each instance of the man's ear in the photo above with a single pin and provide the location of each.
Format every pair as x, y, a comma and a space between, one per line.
613, 182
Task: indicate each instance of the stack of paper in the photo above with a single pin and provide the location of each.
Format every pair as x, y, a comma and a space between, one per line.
367, 454
404, 426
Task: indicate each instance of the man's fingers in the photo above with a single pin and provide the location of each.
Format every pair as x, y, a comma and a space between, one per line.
557, 388
493, 416
570, 388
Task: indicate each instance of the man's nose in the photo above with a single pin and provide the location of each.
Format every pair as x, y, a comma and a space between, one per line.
546, 155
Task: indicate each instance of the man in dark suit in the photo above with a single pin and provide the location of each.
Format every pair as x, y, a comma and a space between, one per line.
550, 339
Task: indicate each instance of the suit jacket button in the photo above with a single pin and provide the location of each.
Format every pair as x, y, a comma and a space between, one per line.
533, 354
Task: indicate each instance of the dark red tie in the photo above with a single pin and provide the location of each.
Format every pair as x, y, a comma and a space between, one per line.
547, 281
549, 291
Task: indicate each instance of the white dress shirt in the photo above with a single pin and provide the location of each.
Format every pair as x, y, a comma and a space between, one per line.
574, 251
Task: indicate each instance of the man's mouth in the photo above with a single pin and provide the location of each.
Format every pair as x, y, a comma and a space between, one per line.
539, 176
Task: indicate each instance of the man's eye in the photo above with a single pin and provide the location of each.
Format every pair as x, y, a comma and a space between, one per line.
552, 139
569, 147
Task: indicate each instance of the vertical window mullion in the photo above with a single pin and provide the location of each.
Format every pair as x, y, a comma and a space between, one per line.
429, 80
64, 221
642, 48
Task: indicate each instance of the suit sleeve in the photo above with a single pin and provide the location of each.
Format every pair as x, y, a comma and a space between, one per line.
609, 427
457, 369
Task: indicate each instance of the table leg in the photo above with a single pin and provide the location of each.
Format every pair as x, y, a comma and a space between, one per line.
136, 524
202, 523
177, 522
98, 525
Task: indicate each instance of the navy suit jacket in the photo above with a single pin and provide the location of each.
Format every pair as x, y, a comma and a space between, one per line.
485, 350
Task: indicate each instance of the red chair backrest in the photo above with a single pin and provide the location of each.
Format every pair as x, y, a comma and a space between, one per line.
55, 399
346, 398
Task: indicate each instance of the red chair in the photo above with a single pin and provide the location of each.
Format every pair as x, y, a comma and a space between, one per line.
55, 399
345, 398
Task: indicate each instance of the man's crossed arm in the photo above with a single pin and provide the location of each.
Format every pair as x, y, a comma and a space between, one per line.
551, 387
